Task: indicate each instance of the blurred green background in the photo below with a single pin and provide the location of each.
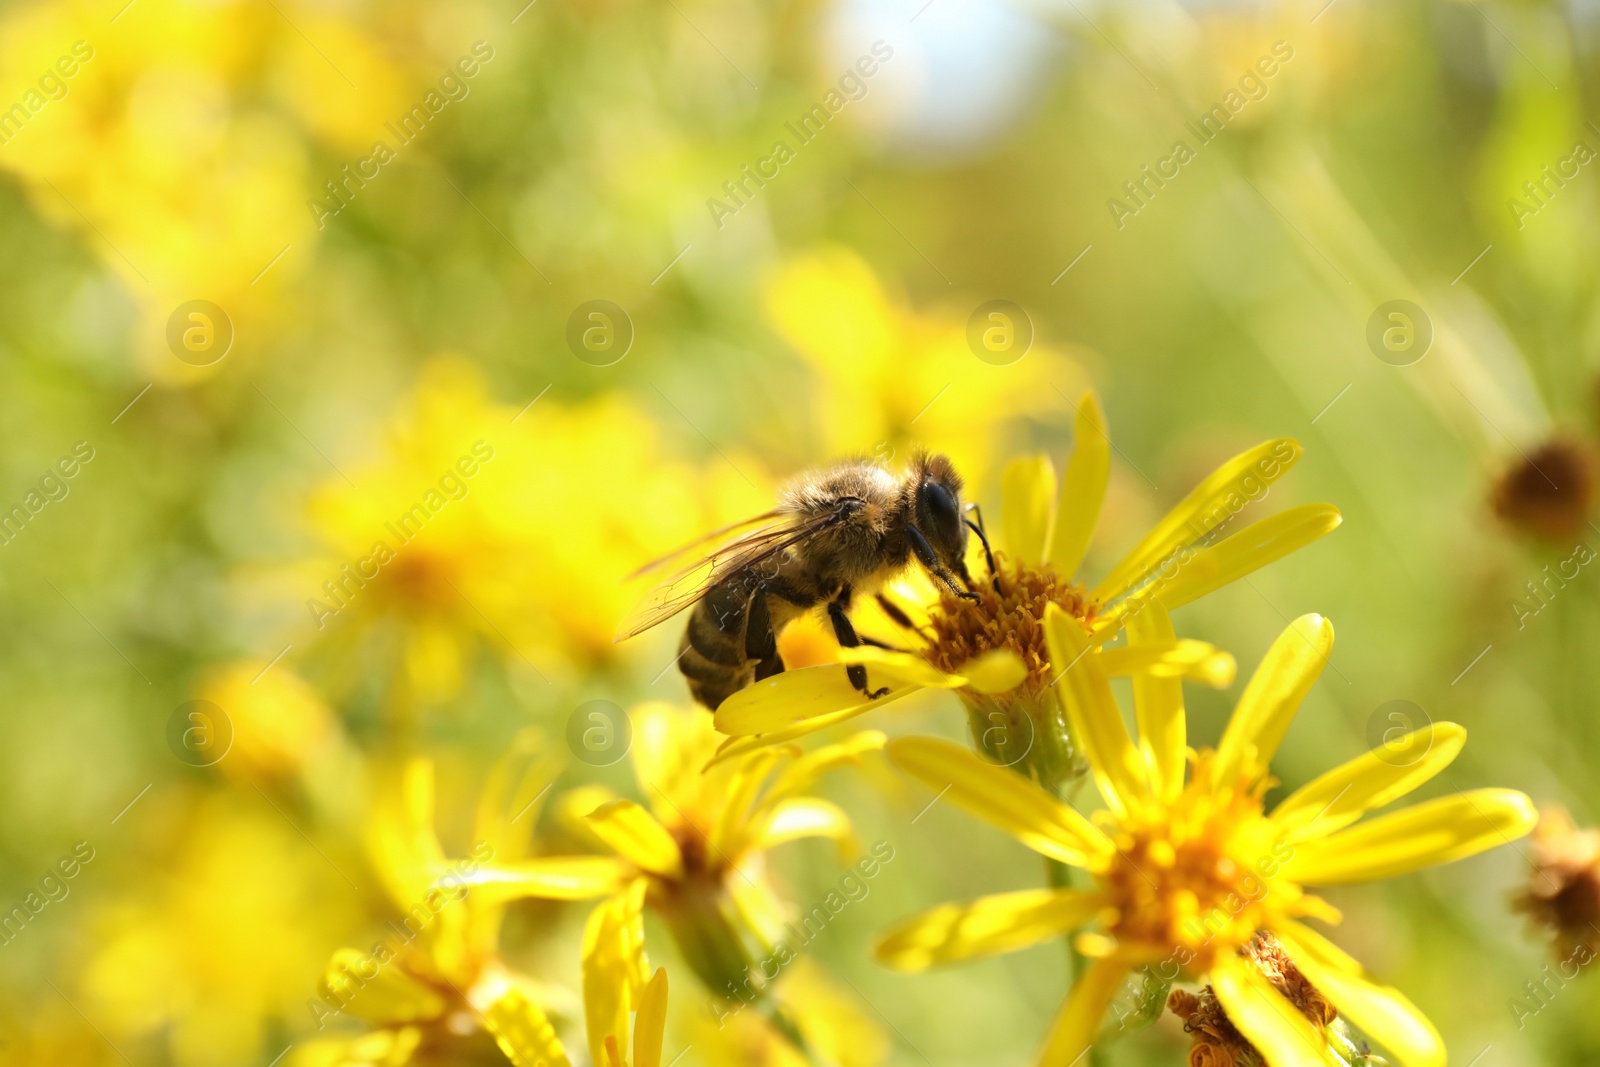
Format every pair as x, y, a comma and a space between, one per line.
824, 312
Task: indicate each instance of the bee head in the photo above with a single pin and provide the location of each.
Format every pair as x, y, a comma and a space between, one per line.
937, 510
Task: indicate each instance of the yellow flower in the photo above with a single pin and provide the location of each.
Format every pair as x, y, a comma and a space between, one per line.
993, 652
44, 1031
614, 990
176, 97
461, 535
209, 953
891, 378
1184, 874
279, 723
697, 852
434, 984
831, 1022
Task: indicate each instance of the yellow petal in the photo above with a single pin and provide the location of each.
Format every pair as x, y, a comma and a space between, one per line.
1200, 660
796, 697
613, 965
1381, 1012
650, 1024
803, 772
1270, 701
739, 747
800, 817
1158, 702
523, 1031
515, 788
418, 845
389, 996
1245, 476
988, 926
1274, 1026
1083, 487
1027, 486
886, 667
549, 878
1092, 713
572, 806
1209, 569
738, 796
637, 836
999, 670
1003, 798
1340, 797
1078, 1021
1423, 835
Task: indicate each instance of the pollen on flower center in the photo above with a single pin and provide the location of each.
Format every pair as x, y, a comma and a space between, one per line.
1192, 879
1010, 618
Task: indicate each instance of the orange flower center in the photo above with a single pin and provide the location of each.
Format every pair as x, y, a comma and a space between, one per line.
1010, 617
1192, 880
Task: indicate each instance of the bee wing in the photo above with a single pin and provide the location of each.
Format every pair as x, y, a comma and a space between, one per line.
700, 542
742, 554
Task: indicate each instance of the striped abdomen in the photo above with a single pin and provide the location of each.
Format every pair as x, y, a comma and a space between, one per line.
730, 642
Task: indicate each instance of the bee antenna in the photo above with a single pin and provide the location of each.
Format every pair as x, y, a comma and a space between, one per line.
988, 553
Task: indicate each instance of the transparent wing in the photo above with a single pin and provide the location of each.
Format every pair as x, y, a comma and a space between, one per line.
701, 542
742, 555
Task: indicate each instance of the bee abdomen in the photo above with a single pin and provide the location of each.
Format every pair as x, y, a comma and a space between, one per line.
712, 655
718, 637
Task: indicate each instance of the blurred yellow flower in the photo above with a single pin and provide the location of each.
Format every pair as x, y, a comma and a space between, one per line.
279, 722
434, 984
482, 525
176, 139
697, 853
614, 985
615, 995
212, 949
889, 377
993, 652
42, 1033
1185, 875
828, 1021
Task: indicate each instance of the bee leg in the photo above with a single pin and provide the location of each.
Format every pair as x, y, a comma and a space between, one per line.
848, 638
930, 560
760, 642
875, 643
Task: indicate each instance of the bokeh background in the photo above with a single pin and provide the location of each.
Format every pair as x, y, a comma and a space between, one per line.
376, 339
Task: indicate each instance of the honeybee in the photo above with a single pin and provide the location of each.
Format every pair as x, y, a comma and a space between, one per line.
836, 534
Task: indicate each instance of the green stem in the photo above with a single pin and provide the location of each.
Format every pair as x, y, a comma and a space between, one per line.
1060, 876
776, 1014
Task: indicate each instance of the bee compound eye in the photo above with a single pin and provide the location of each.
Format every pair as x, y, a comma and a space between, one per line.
940, 504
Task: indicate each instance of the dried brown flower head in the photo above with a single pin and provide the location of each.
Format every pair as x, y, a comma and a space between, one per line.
1550, 492
1217, 1042
1563, 893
